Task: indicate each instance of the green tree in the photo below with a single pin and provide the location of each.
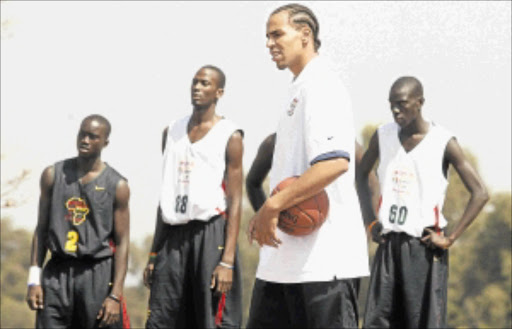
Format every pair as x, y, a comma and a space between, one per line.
14, 262
480, 274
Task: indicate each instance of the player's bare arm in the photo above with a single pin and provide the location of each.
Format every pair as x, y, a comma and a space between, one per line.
364, 190
476, 187
259, 170
109, 313
373, 181
158, 236
263, 224
222, 277
39, 250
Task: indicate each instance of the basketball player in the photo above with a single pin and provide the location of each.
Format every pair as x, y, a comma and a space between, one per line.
193, 270
298, 281
408, 285
84, 221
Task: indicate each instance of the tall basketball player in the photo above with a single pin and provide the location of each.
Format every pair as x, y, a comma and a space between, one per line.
193, 269
408, 284
298, 281
84, 220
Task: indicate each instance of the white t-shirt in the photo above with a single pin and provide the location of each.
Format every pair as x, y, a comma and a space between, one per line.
193, 173
412, 184
317, 125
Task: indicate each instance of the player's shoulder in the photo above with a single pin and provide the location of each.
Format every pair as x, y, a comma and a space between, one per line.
231, 128
114, 175
177, 126
388, 128
442, 130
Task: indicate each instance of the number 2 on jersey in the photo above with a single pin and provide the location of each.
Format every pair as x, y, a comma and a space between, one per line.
181, 204
71, 244
399, 217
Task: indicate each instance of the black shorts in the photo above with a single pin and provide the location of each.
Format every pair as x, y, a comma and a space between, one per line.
180, 293
73, 293
331, 304
408, 285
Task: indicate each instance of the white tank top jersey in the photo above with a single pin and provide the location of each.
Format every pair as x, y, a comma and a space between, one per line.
412, 184
317, 124
193, 173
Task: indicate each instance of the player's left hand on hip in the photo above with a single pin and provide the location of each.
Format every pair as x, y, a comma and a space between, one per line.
222, 279
109, 312
436, 239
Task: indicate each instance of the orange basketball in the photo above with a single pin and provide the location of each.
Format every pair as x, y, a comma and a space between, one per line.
305, 217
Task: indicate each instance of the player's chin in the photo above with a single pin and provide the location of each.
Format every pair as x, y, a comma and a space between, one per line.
85, 154
281, 66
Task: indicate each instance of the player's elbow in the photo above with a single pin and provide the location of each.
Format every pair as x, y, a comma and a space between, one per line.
340, 166
252, 183
482, 195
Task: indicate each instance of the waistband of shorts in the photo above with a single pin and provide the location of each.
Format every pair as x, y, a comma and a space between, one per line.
85, 259
391, 233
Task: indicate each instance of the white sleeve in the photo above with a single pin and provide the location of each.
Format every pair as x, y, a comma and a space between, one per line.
329, 125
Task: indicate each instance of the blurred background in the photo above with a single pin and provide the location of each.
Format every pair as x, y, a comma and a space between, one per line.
133, 63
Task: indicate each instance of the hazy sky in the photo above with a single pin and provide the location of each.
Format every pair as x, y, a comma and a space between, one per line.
133, 62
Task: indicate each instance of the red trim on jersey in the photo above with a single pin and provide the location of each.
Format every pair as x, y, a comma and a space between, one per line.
220, 309
223, 185
112, 245
126, 318
436, 224
221, 212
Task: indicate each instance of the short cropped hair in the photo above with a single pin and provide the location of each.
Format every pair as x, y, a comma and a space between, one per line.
222, 76
101, 119
301, 15
416, 88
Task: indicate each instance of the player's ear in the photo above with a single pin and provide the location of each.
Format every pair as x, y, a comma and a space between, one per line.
106, 142
421, 100
220, 92
306, 34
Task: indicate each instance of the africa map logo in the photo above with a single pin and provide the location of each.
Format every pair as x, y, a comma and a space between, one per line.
77, 210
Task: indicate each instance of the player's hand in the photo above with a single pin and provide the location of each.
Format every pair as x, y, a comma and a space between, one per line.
109, 312
222, 279
376, 233
251, 234
148, 274
35, 297
436, 240
263, 227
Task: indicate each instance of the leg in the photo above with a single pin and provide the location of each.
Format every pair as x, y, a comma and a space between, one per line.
425, 274
380, 302
331, 304
208, 243
268, 306
58, 301
169, 301
92, 286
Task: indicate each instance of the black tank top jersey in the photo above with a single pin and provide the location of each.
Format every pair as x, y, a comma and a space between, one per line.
82, 215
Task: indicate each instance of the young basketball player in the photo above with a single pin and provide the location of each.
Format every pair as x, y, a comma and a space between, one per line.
298, 282
193, 269
408, 284
84, 220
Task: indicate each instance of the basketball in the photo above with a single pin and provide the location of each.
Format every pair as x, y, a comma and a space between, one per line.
305, 217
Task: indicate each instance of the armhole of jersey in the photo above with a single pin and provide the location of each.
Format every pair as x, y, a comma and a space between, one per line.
447, 176
446, 138
379, 141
